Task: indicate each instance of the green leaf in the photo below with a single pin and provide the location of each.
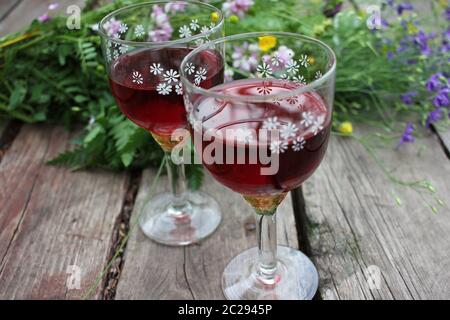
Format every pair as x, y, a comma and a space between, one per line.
18, 95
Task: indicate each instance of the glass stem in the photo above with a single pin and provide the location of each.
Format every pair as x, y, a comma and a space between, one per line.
180, 207
267, 246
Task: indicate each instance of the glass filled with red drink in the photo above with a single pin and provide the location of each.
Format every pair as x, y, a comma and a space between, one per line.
262, 132
143, 46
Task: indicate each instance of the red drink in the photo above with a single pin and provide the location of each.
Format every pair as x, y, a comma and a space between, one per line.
147, 88
304, 123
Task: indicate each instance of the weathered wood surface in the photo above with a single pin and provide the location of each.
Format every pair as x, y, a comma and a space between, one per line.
7, 6
354, 222
52, 218
444, 136
153, 271
24, 11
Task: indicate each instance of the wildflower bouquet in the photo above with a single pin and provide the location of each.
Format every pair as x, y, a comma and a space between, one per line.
392, 70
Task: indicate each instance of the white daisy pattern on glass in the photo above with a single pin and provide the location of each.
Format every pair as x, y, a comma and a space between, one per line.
292, 100
299, 79
278, 147
318, 74
264, 90
243, 135
308, 119
200, 76
156, 69
164, 89
292, 67
204, 30
123, 49
271, 123
317, 124
284, 76
190, 68
108, 55
185, 32
123, 28
276, 60
194, 25
139, 31
264, 69
288, 130
171, 76
115, 54
137, 77
298, 144
304, 60
179, 89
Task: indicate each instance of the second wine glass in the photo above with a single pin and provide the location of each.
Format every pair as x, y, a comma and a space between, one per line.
143, 46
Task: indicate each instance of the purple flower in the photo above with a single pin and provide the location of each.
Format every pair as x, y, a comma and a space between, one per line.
408, 98
53, 6
162, 29
112, 26
447, 13
390, 55
246, 57
421, 39
174, 7
407, 136
433, 116
44, 18
390, 3
237, 7
404, 7
442, 99
434, 82
332, 8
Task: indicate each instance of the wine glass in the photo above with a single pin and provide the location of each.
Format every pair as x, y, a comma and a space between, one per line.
143, 46
261, 133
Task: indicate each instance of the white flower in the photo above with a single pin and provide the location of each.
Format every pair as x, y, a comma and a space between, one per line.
299, 79
278, 147
299, 144
304, 60
200, 75
276, 60
288, 130
199, 41
318, 74
123, 49
194, 25
264, 69
139, 31
271, 123
292, 67
308, 119
185, 32
179, 89
137, 78
284, 76
164, 88
317, 124
264, 90
204, 30
123, 28
156, 69
190, 68
171, 76
115, 54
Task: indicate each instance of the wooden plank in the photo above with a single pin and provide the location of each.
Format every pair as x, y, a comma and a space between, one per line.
28, 10
52, 218
6, 7
152, 271
444, 137
355, 225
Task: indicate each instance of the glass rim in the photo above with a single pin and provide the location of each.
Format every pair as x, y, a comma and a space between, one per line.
101, 31
305, 88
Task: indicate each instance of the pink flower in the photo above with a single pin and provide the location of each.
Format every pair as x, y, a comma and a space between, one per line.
237, 7
174, 7
162, 30
44, 18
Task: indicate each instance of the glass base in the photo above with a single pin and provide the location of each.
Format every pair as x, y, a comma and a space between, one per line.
296, 278
198, 218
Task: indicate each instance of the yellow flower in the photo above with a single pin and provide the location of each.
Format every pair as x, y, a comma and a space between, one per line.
234, 19
214, 17
267, 42
443, 3
346, 127
311, 60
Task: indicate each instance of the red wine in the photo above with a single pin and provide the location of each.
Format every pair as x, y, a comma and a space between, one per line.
303, 122
147, 87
